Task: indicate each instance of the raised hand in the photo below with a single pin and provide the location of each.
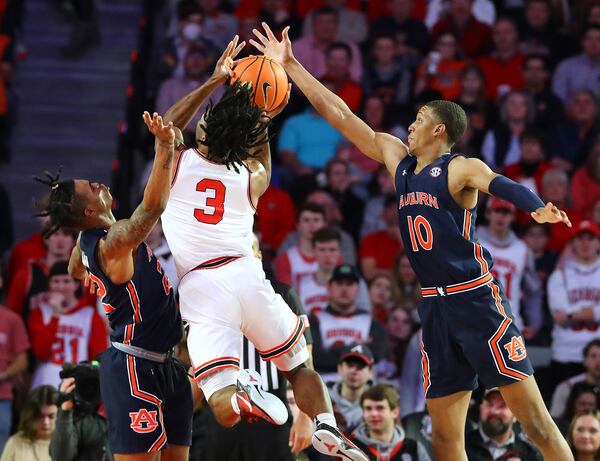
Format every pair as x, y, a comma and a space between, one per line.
270, 47
550, 214
164, 133
225, 64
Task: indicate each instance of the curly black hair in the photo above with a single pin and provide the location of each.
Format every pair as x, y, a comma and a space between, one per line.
62, 205
233, 126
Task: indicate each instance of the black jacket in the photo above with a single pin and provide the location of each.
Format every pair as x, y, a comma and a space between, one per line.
79, 438
521, 449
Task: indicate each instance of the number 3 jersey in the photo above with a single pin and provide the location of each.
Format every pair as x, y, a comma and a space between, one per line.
209, 214
437, 232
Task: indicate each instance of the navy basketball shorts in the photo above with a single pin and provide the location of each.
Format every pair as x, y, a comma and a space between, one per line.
146, 406
469, 334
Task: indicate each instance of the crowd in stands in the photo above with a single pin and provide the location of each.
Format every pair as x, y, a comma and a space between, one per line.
527, 72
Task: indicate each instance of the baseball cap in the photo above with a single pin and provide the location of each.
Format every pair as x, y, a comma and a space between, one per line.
344, 272
488, 392
586, 227
496, 203
359, 351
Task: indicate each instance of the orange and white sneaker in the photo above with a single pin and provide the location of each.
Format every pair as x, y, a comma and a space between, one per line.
255, 403
330, 441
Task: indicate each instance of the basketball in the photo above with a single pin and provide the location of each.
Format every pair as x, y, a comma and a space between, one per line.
267, 77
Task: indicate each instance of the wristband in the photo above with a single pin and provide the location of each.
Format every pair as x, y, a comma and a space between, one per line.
515, 193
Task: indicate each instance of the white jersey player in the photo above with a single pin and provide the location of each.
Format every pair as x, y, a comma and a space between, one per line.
223, 291
513, 265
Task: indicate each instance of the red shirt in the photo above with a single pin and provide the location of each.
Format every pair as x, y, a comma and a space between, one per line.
352, 94
13, 341
585, 191
561, 234
497, 72
381, 247
276, 216
32, 248
475, 39
447, 78
515, 172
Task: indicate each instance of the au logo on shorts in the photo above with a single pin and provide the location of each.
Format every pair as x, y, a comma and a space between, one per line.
435, 171
143, 421
516, 349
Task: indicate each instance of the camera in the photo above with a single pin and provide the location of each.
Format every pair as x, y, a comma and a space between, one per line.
87, 383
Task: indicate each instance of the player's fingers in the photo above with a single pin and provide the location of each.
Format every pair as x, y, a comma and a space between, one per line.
234, 42
256, 45
260, 36
285, 33
237, 50
269, 32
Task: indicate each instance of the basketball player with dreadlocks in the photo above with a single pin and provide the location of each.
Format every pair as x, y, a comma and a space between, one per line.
468, 328
146, 394
223, 292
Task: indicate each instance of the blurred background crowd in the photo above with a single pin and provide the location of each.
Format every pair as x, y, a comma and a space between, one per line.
527, 72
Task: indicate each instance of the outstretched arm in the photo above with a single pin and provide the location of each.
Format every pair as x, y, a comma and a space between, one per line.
185, 109
381, 147
472, 173
127, 234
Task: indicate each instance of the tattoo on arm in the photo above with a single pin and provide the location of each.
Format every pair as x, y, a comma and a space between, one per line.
127, 234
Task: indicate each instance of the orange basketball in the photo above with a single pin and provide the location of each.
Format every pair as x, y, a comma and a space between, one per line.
267, 77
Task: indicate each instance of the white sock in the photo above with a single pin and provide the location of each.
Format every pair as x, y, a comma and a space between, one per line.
326, 418
234, 404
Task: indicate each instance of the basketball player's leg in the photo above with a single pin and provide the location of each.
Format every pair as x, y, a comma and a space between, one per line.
448, 418
525, 401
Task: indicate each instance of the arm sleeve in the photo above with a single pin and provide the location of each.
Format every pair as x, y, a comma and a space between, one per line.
98, 337
521, 196
63, 445
9, 452
42, 335
557, 292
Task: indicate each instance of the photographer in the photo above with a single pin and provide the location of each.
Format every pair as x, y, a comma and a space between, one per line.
80, 433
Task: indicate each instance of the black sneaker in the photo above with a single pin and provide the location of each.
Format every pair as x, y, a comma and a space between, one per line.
255, 403
330, 441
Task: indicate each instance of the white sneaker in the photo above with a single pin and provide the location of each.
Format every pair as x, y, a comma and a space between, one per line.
330, 441
255, 403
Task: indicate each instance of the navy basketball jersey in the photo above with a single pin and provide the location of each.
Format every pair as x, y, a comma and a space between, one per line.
141, 312
437, 232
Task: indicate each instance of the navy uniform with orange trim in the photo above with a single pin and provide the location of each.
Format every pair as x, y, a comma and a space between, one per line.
468, 328
147, 397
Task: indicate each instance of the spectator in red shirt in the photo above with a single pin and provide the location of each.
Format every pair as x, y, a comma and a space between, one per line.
378, 250
14, 344
63, 328
31, 248
503, 69
32, 279
474, 36
585, 183
441, 69
555, 189
276, 218
338, 58
531, 166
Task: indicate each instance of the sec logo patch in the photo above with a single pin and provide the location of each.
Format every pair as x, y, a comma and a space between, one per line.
435, 171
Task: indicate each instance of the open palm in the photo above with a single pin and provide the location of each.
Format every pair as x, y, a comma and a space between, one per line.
270, 47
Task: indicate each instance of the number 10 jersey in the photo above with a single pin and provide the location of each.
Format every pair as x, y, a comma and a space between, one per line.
437, 232
209, 214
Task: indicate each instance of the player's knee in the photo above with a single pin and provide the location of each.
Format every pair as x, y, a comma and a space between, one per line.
446, 439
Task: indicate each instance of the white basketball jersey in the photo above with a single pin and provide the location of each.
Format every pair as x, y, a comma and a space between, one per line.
313, 294
209, 213
574, 287
71, 344
509, 268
